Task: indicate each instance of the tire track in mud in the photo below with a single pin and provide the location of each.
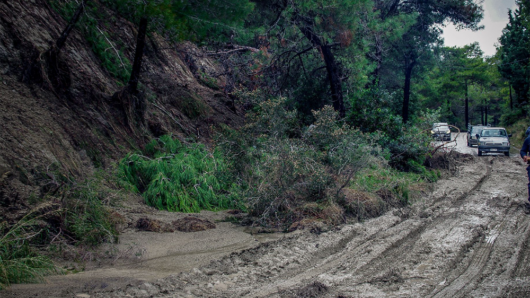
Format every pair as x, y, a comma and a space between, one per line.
522, 268
398, 240
464, 283
385, 265
399, 249
468, 277
355, 257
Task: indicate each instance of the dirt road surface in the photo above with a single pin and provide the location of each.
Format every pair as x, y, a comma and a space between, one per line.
469, 238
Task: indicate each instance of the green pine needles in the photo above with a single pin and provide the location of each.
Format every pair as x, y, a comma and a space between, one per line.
181, 178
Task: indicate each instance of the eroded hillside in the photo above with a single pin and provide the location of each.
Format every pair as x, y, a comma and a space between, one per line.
71, 131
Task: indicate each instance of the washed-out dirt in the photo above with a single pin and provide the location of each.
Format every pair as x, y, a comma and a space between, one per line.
468, 238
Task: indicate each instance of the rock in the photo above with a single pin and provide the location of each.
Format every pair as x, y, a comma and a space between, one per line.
153, 225
192, 224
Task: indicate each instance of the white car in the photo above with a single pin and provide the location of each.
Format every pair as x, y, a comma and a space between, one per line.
441, 131
493, 139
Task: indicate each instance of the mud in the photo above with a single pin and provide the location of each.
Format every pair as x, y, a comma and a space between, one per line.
468, 238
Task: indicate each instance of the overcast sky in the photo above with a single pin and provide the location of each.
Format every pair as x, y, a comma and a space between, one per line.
495, 19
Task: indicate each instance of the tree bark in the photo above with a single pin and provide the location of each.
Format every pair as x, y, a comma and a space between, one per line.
466, 112
138, 55
511, 98
332, 69
378, 60
64, 35
130, 99
485, 115
334, 81
406, 91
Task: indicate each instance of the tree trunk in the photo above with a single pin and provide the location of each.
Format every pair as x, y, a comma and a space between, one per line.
334, 81
406, 92
466, 112
378, 60
482, 114
511, 98
332, 69
138, 55
64, 35
486, 115
130, 99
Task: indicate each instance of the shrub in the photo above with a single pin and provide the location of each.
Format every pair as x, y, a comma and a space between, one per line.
287, 173
182, 178
86, 217
82, 216
281, 174
18, 261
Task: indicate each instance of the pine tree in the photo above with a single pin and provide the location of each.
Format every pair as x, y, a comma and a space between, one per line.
515, 54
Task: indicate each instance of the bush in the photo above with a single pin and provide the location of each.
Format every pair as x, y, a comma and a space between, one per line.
287, 173
181, 178
18, 261
282, 173
82, 215
85, 216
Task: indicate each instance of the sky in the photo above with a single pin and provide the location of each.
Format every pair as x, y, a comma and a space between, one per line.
495, 19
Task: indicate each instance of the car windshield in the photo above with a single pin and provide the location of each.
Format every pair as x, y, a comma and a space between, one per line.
493, 133
476, 130
440, 126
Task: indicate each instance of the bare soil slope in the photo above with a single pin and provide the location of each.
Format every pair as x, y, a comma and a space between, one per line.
44, 132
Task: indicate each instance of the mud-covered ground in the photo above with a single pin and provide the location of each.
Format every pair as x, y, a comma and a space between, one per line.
469, 238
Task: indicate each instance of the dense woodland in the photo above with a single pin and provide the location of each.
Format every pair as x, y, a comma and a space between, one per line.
338, 97
378, 63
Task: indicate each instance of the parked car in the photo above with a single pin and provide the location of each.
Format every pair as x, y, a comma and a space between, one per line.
441, 131
472, 135
493, 139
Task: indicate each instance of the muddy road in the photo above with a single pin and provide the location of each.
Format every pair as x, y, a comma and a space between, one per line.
469, 238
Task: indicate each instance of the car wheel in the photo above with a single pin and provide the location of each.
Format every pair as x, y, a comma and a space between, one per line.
468, 144
506, 153
479, 153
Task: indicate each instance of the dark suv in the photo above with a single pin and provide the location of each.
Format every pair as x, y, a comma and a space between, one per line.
441, 131
493, 139
472, 135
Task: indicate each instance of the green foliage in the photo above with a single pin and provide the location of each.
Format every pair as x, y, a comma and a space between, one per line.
271, 118
187, 20
287, 170
515, 53
518, 131
19, 263
281, 172
372, 110
85, 215
111, 57
180, 178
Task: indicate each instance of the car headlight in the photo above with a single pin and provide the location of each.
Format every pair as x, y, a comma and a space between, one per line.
449, 131
432, 131
482, 143
506, 144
